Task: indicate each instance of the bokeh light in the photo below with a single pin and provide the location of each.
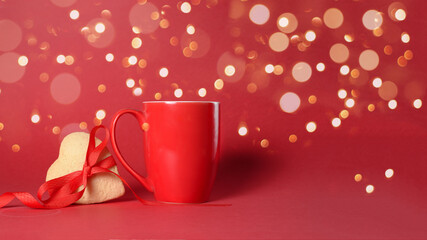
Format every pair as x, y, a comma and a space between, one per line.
388, 90
60, 59
13, 38
65, 88
136, 42
344, 114
400, 14
377, 82
100, 28
132, 60
417, 103
163, 72
185, 7
389, 173
100, 114
320, 67
130, 83
342, 93
369, 189
259, 14
74, 14
372, 19
178, 93
350, 103
392, 104
287, 22
358, 177
109, 57
242, 131
369, 60
219, 84
301, 72
16, 148
293, 138
35, 118
137, 92
289, 102
339, 53
141, 20
264, 143
405, 37
333, 18
336, 122
311, 127
371, 107
278, 42
269, 68
202, 92
310, 36
22, 61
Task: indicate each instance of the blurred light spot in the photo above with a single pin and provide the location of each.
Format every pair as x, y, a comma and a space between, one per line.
193, 45
287, 22
155, 15
137, 92
219, 84
293, 138
102, 88
401, 61
69, 60
35, 118
369, 189
310, 36
60, 59
158, 96
387, 90
349, 103
289, 102
301, 72
342, 93
371, 107
320, 67
174, 41
106, 13
389, 173
336, 122
312, 99
229, 70
278, 70
22, 61
252, 87
65, 88
339, 53
164, 23
354, 73
283, 22
377, 82
44, 77
405, 37
372, 19
349, 38
344, 114
378, 32
140, 18
136, 42
417, 103
109, 57
100, 114
130, 83
358, 177
145, 127
16, 148
1, 126
83, 125
311, 127
185, 7
74, 14
202, 92
56, 130
269, 68
278, 42
13, 38
242, 131
264, 143
388, 50
344, 70
408, 55
369, 60
190, 29
316, 21
97, 122
333, 18
142, 63
132, 60
178, 93
259, 14
400, 14
164, 72
100, 28
392, 104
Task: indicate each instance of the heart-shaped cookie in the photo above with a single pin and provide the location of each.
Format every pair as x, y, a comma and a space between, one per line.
101, 187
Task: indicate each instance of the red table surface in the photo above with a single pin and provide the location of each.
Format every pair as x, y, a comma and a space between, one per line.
301, 190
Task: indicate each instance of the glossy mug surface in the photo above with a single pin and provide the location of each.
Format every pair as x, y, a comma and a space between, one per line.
181, 148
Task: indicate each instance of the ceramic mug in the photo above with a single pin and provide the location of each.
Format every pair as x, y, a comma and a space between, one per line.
181, 148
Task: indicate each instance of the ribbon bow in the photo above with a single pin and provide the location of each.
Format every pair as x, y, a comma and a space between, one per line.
63, 191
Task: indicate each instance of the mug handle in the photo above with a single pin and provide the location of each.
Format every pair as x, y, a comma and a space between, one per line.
141, 119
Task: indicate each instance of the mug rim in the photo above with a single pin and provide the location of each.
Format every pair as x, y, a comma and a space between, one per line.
178, 102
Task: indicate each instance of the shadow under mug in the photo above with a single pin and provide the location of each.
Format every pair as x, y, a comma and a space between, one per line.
181, 148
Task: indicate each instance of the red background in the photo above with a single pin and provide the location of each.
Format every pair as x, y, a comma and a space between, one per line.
301, 190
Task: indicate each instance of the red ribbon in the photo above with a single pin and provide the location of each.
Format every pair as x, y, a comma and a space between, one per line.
62, 191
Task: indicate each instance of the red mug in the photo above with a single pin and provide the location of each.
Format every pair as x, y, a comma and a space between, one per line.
181, 148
